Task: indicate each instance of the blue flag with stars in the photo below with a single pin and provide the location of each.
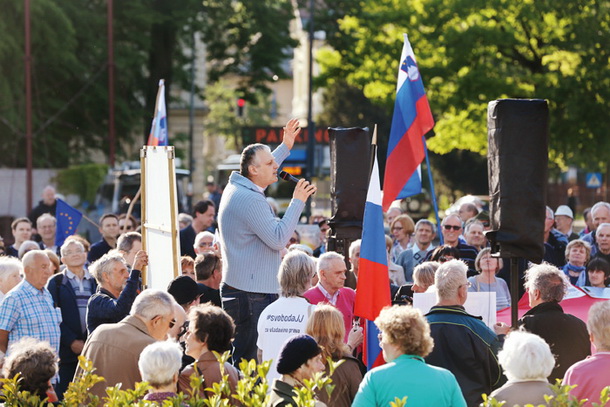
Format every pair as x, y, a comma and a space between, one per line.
68, 219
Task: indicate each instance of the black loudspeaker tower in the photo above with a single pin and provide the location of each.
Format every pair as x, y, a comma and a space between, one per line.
350, 167
517, 158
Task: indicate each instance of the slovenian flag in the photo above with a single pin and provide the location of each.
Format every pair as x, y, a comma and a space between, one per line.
68, 219
373, 289
158, 130
411, 121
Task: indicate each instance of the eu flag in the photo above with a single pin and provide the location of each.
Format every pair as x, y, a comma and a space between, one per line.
68, 219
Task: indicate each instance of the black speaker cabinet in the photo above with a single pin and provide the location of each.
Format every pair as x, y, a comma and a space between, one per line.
517, 165
350, 166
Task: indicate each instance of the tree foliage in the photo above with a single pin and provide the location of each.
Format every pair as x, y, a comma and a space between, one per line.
153, 40
250, 39
473, 51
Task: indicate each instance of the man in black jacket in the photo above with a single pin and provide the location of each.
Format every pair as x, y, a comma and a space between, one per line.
463, 344
567, 335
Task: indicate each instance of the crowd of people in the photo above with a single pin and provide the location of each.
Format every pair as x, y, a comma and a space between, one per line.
249, 287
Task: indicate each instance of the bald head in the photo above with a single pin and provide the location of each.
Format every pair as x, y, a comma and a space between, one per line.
37, 268
48, 195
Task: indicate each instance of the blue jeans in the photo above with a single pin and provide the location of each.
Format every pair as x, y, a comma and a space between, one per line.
245, 308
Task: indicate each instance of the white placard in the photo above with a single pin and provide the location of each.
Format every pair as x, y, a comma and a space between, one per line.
481, 304
160, 216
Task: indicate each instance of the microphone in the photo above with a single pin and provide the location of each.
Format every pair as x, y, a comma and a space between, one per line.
287, 177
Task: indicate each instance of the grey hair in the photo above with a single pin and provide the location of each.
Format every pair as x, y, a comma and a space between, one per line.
45, 216
185, 217
327, 258
64, 247
27, 246
200, 236
30, 257
601, 225
598, 324
151, 303
9, 265
247, 157
301, 247
104, 265
448, 278
526, 356
549, 210
472, 222
295, 273
160, 362
125, 242
549, 280
598, 205
427, 223
354, 246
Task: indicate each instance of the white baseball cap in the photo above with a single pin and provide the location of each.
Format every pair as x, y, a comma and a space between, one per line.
565, 211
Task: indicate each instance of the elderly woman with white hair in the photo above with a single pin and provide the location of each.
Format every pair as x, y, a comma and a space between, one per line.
27, 246
527, 362
588, 374
11, 271
159, 365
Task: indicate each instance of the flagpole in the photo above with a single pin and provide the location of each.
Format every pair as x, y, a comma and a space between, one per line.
90, 221
433, 193
374, 150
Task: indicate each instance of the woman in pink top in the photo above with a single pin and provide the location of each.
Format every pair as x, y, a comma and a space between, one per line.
590, 375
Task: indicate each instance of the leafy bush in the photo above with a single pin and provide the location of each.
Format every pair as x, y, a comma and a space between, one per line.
561, 398
251, 390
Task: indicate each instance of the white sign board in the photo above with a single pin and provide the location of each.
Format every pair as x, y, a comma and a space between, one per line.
481, 304
159, 216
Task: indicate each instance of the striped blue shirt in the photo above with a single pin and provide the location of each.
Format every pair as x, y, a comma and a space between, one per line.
83, 289
29, 312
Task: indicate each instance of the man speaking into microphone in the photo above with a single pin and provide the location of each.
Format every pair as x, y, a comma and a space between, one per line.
251, 237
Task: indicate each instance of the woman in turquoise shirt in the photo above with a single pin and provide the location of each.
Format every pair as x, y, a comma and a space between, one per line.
405, 341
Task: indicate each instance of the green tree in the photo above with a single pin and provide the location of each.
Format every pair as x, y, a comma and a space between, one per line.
248, 39
471, 52
152, 41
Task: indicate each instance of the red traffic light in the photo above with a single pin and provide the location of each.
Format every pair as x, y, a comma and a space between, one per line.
241, 102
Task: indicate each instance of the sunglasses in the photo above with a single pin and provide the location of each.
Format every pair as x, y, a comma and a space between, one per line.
171, 323
183, 329
449, 227
293, 240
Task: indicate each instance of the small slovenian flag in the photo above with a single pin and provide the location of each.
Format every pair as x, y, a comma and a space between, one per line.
158, 130
412, 119
373, 289
68, 219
